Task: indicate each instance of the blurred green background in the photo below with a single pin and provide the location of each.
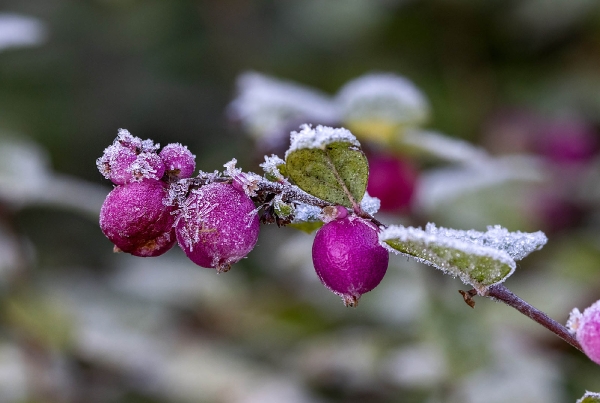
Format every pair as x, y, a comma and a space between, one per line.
81, 324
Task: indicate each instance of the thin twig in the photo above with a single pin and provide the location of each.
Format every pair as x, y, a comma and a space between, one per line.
501, 293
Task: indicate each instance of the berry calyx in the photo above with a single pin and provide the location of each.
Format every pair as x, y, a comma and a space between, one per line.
348, 258
217, 226
134, 218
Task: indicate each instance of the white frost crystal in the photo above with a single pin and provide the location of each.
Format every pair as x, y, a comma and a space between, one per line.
319, 137
306, 213
574, 319
496, 243
516, 244
370, 204
270, 166
383, 96
589, 397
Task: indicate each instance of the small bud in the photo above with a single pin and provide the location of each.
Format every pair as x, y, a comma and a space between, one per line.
587, 330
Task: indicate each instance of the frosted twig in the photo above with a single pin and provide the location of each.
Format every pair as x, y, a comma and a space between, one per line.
501, 293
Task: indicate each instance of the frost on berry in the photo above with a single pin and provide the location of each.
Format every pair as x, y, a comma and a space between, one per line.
136, 220
348, 258
587, 330
179, 161
217, 226
130, 159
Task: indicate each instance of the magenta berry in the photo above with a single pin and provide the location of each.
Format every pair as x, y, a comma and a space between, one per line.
217, 226
392, 181
130, 159
135, 219
348, 258
179, 161
588, 331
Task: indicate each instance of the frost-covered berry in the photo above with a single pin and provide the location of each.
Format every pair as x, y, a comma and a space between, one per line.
179, 161
218, 226
135, 219
130, 159
348, 258
587, 330
392, 181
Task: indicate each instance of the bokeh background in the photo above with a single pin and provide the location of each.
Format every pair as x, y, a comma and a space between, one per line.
81, 324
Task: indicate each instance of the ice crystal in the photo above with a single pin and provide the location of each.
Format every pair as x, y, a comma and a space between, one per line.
247, 182
516, 244
383, 96
306, 213
266, 106
319, 137
589, 397
370, 204
270, 166
574, 319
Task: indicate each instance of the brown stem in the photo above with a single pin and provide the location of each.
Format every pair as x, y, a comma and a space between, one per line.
501, 293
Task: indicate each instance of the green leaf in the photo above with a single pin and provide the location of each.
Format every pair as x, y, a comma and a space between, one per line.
307, 226
337, 173
590, 397
476, 265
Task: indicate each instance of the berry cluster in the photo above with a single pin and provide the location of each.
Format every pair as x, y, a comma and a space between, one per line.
215, 219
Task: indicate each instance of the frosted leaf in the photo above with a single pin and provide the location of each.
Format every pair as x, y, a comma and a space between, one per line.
438, 187
383, 97
19, 31
574, 319
370, 204
590, 397
306, 213
270, 166
282, 209
467, 257
444, 147
266, 106
319, 137
516, 244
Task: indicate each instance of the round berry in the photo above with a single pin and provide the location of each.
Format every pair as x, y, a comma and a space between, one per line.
178, 160
135, 219
392, 181
588, 332
217, 226
348, 258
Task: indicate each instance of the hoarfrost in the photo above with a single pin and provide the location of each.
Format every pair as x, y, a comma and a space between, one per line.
270, 166
516, 244
574, 320
248, 182
266, 106
590, 396
383, 96
319, 137
306, 213
370, 204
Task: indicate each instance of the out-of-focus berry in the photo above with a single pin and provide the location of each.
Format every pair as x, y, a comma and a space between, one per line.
179, 161
135, 219
217, 226
586, 326
392, 181
348, 257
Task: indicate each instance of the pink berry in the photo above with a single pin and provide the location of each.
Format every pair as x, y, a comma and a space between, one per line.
588, 332
217, 226
178, 160
392, 181
130, 159
348, 258
135, 219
